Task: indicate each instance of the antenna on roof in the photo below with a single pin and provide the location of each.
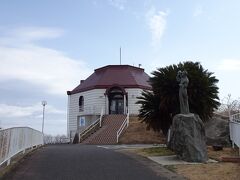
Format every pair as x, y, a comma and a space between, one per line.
120, 55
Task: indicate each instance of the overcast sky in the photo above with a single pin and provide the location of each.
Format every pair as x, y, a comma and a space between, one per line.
47, 47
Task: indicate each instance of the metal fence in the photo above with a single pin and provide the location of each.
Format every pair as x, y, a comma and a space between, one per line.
234, 126
16, 140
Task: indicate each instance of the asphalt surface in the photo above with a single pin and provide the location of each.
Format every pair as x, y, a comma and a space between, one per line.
81, 162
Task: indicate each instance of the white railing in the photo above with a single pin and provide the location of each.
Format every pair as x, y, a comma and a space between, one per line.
91, 127
234, 126
235, 117
101, 116
124, 124
88, 129
16, 140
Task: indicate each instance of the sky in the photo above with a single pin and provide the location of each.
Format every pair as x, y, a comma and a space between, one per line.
47, 47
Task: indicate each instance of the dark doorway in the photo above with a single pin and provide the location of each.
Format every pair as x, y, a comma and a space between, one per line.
116, 102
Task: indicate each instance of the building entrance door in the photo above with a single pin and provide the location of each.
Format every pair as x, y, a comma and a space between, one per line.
116, 102
116, 106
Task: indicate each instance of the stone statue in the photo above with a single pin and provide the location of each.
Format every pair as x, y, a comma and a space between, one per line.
183, 97
187, 134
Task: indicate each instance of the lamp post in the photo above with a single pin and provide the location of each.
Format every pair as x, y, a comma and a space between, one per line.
44, 103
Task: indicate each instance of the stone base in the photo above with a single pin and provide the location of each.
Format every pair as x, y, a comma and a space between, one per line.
187, 138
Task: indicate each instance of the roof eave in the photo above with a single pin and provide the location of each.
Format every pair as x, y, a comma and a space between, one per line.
106, 87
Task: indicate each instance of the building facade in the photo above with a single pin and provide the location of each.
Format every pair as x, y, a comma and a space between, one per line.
112, 89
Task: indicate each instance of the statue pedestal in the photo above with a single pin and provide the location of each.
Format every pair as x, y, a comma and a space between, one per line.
187, 138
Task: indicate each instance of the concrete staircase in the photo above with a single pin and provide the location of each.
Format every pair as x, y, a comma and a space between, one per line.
107, 134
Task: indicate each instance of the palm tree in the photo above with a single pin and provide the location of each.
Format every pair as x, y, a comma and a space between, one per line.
160, 105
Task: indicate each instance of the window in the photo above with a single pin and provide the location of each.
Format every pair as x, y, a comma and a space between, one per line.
81, 103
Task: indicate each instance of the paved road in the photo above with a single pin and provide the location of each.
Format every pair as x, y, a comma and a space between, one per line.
81, 162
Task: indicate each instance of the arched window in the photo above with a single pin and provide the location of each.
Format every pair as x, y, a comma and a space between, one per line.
81, 103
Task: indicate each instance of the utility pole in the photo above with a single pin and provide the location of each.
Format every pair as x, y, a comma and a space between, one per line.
44, 103
120, 55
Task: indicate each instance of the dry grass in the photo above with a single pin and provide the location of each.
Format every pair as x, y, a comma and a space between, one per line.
155, 151
137, 133
226, 152
208, 171
212, 171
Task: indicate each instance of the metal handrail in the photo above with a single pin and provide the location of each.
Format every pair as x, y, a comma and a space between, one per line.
101, 116
234, 126
16, 140
235, 117
124, 124
91, 126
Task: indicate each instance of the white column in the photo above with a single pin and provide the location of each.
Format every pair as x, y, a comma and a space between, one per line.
68, 106
124, 103
107, 104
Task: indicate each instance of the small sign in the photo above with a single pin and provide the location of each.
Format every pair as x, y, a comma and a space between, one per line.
81, 121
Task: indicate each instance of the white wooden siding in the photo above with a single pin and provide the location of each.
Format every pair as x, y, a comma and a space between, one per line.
94, 101
133, 93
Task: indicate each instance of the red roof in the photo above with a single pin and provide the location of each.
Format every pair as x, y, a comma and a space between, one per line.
105, 77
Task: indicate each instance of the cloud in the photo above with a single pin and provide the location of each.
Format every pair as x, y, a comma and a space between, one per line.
50, 69
198, 11
10, 111
31, 116
229, 65
119, 4
156, 21
22, 35
35, 33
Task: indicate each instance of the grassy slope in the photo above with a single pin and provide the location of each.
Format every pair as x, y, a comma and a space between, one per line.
136, 133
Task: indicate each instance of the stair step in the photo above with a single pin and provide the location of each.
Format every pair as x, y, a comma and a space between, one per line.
107, 134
